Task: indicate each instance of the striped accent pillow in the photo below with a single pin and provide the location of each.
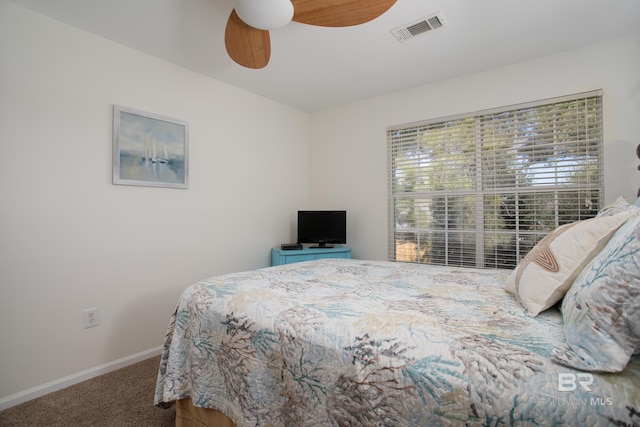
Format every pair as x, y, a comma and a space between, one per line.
543, 276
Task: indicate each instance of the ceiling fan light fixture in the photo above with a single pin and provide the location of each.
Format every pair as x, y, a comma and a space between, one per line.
265, 14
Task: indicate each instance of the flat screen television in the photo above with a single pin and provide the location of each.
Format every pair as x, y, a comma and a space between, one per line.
322, 228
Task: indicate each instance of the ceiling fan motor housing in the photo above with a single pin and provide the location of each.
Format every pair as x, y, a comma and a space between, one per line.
265, 14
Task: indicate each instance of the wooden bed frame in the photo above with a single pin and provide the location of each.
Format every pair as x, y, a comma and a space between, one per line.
188, 415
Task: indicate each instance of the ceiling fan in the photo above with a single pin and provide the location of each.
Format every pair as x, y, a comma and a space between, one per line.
247, 34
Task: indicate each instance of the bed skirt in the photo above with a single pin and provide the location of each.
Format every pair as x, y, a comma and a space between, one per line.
188, 415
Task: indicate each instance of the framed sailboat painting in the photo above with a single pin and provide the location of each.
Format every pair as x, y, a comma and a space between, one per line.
149, 149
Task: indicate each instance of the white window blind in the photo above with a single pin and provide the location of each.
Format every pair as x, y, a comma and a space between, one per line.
480, 190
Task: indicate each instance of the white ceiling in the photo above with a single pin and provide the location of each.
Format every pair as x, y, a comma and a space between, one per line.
312, 68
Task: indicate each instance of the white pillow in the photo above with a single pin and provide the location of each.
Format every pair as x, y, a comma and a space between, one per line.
620, 205
543, 276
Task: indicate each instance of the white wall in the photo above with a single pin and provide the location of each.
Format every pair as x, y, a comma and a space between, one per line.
348, 148
71, 240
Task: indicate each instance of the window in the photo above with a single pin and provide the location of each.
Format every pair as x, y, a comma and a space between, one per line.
480, 190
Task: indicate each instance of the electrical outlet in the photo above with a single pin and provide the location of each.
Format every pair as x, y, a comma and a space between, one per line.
91, 317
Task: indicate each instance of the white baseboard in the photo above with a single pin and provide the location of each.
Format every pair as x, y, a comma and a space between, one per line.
41, 390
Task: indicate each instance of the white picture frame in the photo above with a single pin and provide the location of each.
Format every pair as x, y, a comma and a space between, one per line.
149, 149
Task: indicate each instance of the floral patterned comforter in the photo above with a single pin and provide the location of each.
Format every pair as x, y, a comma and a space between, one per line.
343, 342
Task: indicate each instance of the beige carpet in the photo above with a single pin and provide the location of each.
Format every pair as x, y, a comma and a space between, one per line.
120, 398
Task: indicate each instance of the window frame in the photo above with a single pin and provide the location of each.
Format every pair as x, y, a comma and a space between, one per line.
594, 191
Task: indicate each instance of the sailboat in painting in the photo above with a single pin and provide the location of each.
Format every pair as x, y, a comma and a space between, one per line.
154, 151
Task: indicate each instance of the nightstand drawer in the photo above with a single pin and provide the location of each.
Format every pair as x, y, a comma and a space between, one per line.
279, 257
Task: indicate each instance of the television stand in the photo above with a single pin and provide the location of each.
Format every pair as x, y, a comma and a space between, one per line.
321, 246
279, 256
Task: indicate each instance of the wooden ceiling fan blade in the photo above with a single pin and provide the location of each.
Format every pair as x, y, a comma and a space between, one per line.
246, 45
339, 13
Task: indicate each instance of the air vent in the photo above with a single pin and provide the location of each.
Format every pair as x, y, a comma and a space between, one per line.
418, 27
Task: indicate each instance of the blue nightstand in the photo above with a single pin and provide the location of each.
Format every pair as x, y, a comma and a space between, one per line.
279, 257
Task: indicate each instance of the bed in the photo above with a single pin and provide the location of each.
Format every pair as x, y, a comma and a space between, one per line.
347, 342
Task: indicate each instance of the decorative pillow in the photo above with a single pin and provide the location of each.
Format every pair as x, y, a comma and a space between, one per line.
543, 276
620, 205
601, 310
